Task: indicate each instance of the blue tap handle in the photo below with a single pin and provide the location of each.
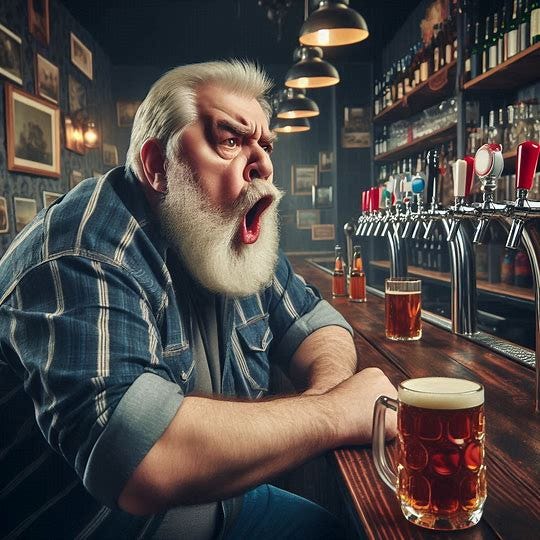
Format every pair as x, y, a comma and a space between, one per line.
418, 185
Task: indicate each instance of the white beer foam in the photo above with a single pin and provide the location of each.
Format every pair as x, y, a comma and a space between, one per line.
441, 393
395, 293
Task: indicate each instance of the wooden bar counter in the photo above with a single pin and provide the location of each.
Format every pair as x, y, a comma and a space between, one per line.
512, 509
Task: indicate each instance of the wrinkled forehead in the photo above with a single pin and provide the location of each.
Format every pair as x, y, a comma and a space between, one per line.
216, 104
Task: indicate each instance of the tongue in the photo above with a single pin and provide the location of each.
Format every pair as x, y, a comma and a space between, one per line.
250, 234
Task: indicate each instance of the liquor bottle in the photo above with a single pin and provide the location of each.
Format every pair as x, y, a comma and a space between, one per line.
502, 37
495, 132
357, 278
452, 32
339, 279
535, 22
424, 64
510, 138
494, 43
512, 40
524, 24
486, 46
437, 56
400, 80
476, 53
522, 270
507, 268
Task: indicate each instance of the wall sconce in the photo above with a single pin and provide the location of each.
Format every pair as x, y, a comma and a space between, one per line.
295, 104
333, 23
83, 124
310, 71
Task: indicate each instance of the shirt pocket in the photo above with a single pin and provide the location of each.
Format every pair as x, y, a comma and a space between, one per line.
180, 363
254, 337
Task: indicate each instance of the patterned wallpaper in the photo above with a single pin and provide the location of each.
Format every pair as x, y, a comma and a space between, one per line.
14, 16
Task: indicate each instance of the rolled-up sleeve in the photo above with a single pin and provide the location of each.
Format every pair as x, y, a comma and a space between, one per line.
296, 311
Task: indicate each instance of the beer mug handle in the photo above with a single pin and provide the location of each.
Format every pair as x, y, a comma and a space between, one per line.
385, 472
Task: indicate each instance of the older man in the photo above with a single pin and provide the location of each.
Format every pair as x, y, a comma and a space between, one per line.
142, 311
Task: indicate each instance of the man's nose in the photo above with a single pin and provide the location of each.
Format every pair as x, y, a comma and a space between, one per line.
259, 165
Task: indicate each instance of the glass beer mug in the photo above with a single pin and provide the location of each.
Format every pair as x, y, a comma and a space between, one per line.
441, 475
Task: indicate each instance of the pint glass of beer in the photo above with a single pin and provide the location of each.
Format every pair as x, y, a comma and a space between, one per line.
403, 308
441, 475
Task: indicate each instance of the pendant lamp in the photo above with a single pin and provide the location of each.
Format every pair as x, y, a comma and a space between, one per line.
295, 104
310, 71
333, 23
290, 125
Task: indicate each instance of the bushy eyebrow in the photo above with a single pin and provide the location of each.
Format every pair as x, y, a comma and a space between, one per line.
240, 130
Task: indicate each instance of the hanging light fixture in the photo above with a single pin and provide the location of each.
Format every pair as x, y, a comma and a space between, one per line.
290, 125
295, 104
310, 71
333, 23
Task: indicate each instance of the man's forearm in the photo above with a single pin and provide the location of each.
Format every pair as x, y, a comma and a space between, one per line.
323, 360
215, 449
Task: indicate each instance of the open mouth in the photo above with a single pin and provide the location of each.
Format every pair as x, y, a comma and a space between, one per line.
251, 225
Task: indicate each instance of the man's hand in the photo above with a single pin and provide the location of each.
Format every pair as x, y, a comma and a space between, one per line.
355, 399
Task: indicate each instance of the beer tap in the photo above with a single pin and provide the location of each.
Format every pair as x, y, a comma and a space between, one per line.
379, 215
397, 201
374, 207
348, 229
418, 185
522, 208
432, 171
407, 217
362, 220
463, 175
386, 201
488, 166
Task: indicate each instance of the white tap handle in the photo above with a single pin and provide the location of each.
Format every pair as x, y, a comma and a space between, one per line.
489, 161
460, 177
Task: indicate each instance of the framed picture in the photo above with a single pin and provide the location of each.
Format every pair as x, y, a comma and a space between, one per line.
110, 154
38, 19
302, 178
326, 231
75, 178
305, 218
49, 197
32, 133
125, 112
322, 196
47, 79
356, 127
10, 55
77, 95
4, 218
81, 56
25, 211
326, 160
286, 219
74, 136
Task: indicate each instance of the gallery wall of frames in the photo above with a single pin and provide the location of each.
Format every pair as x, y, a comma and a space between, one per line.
54, 79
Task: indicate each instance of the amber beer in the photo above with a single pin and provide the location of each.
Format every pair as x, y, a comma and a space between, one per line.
441, 478
403, 309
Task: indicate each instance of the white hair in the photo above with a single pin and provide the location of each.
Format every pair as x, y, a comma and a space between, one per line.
171, 102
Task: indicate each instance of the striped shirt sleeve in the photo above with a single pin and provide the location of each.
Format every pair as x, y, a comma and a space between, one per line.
84, 334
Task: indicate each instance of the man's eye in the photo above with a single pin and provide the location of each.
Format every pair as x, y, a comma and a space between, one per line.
231, 142
268, 148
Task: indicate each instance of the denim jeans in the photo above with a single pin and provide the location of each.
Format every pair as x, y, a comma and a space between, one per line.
272, 513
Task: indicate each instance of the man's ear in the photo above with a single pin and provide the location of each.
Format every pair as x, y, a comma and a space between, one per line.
153, 164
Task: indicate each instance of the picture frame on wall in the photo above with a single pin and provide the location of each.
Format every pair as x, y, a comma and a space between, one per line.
303, 177
356, 128
81, 56
32, 133
25, 211
323, 231
76, 95
326, 160
49, 197
110, 154
4, 216
75, 178
306, 217
125, 112
47, 79
38, 20
322, 196
10, 55
74, 136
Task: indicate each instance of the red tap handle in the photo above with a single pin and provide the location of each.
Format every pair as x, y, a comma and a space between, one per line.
374, 198
364, 206
526, 162
470, 174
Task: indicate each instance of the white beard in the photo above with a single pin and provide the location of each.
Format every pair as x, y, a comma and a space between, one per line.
207, 238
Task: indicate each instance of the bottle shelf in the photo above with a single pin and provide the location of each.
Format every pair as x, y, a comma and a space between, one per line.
520, 70
483, 285
434, 89
417, 145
